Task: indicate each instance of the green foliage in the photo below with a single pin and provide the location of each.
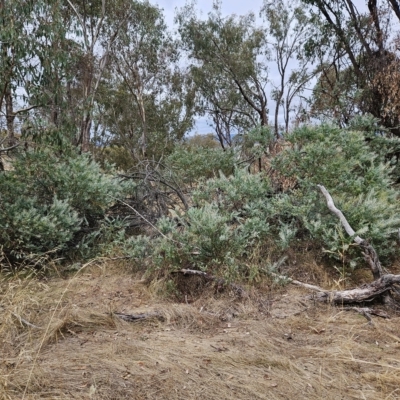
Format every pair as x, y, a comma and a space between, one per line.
227, 67
139, 249
202, 141
238, 223
205, 241
235, 193
288, 25
147, 105
49, 202
380, 141
256, 142
232, 218
357, 179
37, 61
193, 163
77, 179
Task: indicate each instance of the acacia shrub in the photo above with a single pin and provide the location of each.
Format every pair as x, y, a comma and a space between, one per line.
50, 202
192, 163
231, 229
358, 179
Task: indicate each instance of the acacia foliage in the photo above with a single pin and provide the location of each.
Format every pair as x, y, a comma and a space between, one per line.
51, 203
235, 222
358, 178
241, 223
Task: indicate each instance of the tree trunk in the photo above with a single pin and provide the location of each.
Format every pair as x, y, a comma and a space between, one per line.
10, 116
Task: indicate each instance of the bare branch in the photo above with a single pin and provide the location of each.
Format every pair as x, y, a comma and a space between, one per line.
22, 110
331, 205
9, 148
369, 253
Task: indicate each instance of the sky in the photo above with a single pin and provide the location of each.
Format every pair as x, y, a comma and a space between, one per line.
229, 7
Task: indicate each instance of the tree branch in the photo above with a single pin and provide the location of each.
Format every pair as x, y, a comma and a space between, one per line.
331, 205
9, 148
369, 253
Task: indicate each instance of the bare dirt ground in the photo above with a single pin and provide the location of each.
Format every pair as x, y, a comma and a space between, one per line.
276, 344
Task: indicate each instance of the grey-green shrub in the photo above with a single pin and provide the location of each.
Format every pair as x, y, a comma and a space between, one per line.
204, 240
230, 218
239, 221
193, 163
356, 177
52, 202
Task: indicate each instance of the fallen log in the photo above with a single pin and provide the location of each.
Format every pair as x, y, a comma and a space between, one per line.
366, 293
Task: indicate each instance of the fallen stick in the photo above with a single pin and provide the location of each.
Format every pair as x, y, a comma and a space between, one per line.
24, 321
295, 282
367, 312
138, 317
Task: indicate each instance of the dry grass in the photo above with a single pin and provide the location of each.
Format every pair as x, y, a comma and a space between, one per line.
276, 345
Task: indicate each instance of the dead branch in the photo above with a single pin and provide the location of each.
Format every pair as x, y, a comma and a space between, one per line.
331, 205
359, 295
24, 321
9, 148
294, 282
150, 178
221, 283
369, 253
366, 293
138, 317
367, 312
156, 194
382, 286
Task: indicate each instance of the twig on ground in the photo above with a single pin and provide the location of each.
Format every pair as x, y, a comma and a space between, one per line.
367, 312
138, 317
24, 321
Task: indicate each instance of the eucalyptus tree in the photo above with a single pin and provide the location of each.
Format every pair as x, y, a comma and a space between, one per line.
151, 101
359, 54
228, 65
219, 99
11, 50
21, 39
37, 63
288, 27
97, 24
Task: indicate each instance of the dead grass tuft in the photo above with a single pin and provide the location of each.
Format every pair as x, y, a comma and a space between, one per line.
274, 344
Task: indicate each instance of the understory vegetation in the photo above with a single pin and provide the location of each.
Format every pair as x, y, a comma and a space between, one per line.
97, 101
204, 208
